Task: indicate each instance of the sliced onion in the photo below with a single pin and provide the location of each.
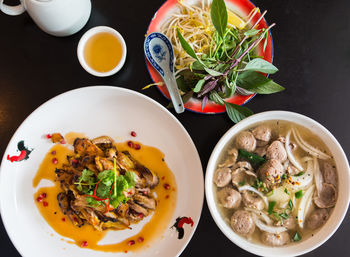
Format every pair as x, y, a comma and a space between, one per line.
308, 148
302, 205
261, 215
271, 229
250, 188
302, 182
318, 176
289, 153
307, 158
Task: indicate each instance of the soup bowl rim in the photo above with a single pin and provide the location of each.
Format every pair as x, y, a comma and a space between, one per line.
338, 213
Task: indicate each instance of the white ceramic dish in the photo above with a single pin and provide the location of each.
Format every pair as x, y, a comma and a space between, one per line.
95, 111
340, 209
81, 46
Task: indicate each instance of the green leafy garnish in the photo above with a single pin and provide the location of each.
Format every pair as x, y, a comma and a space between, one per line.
300, 174
290, 204
271, 206
251, 157
258, 184
261, 65
186, 46
105, 180
296, 237
299, 194
86, 181
237, 112
284, 176
258, 83
218, 13
286, 191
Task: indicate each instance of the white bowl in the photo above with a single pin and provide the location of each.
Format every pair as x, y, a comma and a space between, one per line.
340, 209
81, 46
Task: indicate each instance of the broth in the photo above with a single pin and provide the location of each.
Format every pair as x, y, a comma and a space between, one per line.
103, 52
278, 129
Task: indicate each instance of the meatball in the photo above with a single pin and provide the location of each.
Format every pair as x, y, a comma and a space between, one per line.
229, 198
252, 200
271, 172
327, 197
276, 151
263, 135
222, 177
241, 176
317, 218
242, 223
245, 140
289, 223
329, 173
275, 239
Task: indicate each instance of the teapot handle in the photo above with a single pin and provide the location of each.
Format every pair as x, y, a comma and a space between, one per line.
12, 10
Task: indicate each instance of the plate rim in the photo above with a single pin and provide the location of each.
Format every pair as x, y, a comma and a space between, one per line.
11, 235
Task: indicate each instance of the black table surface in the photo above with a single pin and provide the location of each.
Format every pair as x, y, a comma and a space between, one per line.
311, 43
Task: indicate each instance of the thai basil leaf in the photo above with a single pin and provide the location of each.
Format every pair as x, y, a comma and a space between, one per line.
237, 112
261, 65
186, 46
258, 83
214, 73
197, 65
181, 84
215, 97
199, 86
251, 32
218, 13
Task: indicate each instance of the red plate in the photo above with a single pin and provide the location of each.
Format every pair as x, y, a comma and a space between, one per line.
240, 7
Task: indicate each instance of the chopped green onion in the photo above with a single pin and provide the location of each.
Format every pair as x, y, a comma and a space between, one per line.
300, 174
299, 194
286, 191
271, 206
290, 204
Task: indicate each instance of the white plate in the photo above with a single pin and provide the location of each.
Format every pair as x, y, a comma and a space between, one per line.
97, 111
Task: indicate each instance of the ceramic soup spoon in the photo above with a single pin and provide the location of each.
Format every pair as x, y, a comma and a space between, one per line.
160, 54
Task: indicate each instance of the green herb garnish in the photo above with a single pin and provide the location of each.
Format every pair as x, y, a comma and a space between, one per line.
300, 174
253, 158
271, 206
290, 204
296, 237
299, 194
286, 191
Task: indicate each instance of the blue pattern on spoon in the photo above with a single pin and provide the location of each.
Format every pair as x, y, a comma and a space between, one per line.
160, 54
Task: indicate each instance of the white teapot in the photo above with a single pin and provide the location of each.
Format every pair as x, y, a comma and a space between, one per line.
56, 17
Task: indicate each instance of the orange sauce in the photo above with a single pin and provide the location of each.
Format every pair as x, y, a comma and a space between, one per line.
103, 52
151, 157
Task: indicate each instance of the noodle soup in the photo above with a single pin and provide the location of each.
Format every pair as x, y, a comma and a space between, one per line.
276, 183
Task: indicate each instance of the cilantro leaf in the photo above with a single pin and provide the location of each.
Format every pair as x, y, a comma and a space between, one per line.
131, 178
86, 181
